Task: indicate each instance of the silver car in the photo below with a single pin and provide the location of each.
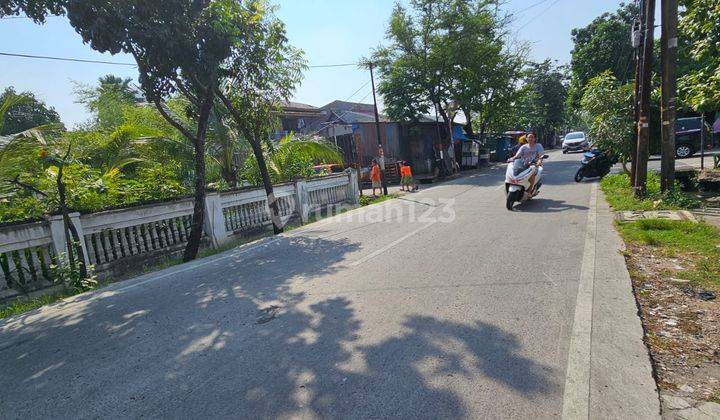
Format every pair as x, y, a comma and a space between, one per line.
575, 142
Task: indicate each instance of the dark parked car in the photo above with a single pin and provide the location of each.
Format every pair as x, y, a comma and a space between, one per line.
687, 136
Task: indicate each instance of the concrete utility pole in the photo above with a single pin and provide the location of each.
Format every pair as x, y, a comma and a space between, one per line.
643, 146
668, 47
377, 128
637, 42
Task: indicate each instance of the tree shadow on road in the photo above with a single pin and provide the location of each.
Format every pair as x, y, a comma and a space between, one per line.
251, 336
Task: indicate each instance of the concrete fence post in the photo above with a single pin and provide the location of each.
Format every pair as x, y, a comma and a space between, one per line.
214, 219
353, 191
302, 200
57, 232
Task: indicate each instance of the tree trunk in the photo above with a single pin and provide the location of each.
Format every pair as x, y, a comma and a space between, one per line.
196, 230
624, 166
446, 121
267, 183
468, 125
71, 234
253, 137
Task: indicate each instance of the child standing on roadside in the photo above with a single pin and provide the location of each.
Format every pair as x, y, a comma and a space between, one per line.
375, 177
406, 178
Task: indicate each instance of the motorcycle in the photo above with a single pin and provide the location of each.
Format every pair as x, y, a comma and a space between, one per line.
595, 163
517, 182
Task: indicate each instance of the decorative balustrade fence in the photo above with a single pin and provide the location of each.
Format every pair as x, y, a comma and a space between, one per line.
116, 240
26, 253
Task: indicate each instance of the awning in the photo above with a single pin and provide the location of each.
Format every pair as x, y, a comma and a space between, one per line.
459, 135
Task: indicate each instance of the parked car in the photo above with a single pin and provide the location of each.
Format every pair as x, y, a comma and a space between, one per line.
575, 142
687, 136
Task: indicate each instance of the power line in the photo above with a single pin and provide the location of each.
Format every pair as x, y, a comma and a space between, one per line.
332, 65
530, 7
115, 63
539, 14
76, 60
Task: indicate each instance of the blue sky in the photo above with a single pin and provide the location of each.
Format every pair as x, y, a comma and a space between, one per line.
329, 31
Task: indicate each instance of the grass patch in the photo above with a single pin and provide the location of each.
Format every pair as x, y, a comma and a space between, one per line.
366, 200
23, 305
716, 397
620, 195
696, 244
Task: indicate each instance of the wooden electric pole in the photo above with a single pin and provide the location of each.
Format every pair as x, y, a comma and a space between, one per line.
643, 146
381, 153
668, 50
637, 43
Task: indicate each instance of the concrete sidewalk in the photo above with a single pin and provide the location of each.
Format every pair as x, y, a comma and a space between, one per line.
609, 369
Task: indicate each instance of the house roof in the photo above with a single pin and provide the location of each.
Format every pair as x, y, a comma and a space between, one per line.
350, 117
297, 105
350, 106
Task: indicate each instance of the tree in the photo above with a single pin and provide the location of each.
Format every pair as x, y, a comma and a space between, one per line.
448, 55
608, 108
540, 100
103, 100
178, 46
46, 149
261, 72
700, 85
603, 45
24, 111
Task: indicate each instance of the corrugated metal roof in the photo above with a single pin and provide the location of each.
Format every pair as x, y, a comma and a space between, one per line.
350, 117
350, 106
298, 105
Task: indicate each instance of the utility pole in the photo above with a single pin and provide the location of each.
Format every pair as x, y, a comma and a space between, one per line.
643, 146
668, 47
702, 141
637, 42
377, 128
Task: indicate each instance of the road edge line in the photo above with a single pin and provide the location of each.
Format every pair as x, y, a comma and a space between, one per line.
576, 397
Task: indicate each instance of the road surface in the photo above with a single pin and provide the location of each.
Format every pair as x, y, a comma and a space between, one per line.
414, 308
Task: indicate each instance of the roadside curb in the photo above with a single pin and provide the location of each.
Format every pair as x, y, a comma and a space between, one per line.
623, 384
609, 372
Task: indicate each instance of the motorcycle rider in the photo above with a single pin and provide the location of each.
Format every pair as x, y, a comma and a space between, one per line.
530, 153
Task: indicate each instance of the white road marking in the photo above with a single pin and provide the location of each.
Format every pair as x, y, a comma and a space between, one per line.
576, 398
390, 245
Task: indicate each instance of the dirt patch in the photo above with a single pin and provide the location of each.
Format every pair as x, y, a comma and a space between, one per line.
682, 324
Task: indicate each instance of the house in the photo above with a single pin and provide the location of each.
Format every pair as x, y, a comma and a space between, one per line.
351, 126
296, 117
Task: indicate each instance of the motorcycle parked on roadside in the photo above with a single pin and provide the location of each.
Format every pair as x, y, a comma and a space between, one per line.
517, 182
595, 163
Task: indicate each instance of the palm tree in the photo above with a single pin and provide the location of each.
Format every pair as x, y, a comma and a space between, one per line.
47, 147
293, 157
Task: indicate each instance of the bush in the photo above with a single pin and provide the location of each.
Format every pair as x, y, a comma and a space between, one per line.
68, 276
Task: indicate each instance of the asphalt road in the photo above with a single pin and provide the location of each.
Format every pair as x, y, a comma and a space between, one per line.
414, 308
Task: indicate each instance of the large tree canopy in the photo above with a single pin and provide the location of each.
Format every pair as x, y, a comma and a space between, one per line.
25, 113
448, 54
700, 86
178, 46
539, 102
603, 45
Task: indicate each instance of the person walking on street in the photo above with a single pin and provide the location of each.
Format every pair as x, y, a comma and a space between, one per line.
375, 177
